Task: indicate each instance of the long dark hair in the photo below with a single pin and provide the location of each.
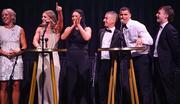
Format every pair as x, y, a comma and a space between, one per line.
80, 11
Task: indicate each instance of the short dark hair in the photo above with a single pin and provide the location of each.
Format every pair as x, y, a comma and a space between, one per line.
169, 11
125, 8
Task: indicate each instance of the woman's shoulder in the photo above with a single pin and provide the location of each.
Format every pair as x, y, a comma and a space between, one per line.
87, 28
39, 28
18, 27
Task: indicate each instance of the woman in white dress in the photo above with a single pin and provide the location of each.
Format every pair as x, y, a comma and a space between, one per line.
51, 37
12, 40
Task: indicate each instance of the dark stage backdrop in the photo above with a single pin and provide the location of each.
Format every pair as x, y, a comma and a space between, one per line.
29, 17
29, 13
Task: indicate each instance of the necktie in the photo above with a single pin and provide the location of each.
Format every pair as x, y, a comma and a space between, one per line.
124, 26
108, 30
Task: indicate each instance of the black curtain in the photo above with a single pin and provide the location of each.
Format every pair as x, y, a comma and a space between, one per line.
29, 17
29, 13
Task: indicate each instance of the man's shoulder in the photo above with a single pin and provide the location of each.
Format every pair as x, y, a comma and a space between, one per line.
170, 29
102, 29
170, 26
117, 31
136, 24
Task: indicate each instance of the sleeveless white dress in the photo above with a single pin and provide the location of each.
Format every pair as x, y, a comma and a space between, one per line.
10, 40
48, 94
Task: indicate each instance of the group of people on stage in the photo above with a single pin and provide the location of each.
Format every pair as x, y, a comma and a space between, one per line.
154, 67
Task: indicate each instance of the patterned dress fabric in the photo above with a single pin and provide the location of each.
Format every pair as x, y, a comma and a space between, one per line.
10, 40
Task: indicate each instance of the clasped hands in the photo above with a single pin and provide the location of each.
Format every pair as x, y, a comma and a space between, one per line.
76, 22
10, 54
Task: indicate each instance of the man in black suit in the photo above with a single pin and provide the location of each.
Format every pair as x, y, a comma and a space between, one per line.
108, 37
166, 53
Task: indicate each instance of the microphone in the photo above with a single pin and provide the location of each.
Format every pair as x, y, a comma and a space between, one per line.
122, 40
46, 40
121, 26
47, 22
50, 21
44, 24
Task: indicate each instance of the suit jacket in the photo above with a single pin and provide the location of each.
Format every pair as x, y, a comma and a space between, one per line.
168, 50
117, 41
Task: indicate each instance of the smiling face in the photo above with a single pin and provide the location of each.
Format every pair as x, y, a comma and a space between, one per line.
8, 16
45, 18
75, 16
124, 16
162, 17
49, 17
109, 19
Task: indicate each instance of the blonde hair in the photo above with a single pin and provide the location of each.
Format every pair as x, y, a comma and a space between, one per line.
52, 16
53, 19
11, 12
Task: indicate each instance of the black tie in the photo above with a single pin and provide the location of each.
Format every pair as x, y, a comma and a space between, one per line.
108, 30
124, 26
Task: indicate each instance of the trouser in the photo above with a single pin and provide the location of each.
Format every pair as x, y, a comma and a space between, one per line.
164, 87
143, 74
78, 80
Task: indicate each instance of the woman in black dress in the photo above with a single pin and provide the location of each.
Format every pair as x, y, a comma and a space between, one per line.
78, 35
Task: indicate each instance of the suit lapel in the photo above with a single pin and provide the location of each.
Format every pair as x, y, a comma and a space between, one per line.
113, 39
163, 32
101, 36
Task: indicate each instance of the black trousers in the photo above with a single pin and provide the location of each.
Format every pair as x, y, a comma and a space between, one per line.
124, 96
103, 74
78, 80
164, 85
143, 74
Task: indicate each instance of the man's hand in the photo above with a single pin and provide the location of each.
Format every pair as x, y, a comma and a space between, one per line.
139, 42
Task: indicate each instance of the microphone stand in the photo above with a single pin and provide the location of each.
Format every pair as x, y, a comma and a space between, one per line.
43, 55
123, 44
122, 38
10, 82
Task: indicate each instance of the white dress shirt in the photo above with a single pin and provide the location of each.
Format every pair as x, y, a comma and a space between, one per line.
134, 31
106, 42
157, 38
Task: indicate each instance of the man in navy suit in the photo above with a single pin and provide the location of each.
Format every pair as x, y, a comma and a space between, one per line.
166, 53
108, 37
